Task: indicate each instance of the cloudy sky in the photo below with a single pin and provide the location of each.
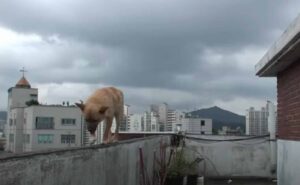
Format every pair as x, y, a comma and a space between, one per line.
188, 53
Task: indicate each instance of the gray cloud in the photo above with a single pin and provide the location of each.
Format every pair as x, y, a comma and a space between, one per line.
196, 52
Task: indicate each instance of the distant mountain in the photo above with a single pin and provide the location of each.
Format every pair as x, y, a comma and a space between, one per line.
221, 117
3, 115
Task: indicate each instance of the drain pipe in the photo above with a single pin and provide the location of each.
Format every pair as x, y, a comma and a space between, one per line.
272, 131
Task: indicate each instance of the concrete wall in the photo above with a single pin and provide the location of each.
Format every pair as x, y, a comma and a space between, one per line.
115, 164
250, 158
288, 162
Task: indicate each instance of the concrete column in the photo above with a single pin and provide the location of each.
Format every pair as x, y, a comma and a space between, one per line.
272, 131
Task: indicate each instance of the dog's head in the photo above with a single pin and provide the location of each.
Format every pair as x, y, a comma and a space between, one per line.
93, 115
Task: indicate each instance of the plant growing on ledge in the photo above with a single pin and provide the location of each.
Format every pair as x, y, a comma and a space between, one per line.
170, 166
182, 165
32, 102
176, 170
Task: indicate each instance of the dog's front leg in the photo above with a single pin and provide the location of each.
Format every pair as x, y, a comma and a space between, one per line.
107, 132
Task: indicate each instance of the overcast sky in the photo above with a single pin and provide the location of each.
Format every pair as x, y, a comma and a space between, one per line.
188, 53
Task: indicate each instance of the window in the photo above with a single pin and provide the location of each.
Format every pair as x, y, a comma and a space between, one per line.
11, 138
202, 123
68, 121
10, 122
26, 138
45, 138
44, 123
202, 132
68, 139
33, 95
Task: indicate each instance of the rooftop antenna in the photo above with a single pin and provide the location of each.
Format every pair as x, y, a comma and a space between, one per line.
23, 71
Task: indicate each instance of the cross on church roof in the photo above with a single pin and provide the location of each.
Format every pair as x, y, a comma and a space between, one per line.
23, 71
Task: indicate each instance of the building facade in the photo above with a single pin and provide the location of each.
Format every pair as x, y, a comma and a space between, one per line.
125, 124
196, 125
136, 122
154, 120
31, 126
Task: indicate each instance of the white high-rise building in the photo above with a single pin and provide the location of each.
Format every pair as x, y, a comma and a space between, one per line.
163, 116
146, 126
125, 124
257, 121
167, 118
154, 122
173, 119
136, 122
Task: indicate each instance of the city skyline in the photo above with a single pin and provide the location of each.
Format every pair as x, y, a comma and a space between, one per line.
188, 56
130, 112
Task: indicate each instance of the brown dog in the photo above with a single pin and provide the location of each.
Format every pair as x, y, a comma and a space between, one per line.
104, 104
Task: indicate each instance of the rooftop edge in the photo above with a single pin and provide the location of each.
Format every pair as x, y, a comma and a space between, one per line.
282, 53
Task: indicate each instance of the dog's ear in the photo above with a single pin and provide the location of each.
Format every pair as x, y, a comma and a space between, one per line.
80, 105
103, 109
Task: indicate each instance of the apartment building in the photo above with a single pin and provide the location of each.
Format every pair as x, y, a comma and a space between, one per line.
257, 121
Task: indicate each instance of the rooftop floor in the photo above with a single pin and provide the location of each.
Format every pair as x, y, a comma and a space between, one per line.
240, 182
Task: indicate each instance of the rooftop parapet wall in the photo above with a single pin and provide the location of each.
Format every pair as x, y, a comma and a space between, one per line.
232, 156
115, 164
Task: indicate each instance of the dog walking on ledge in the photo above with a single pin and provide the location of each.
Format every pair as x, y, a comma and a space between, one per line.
103, 105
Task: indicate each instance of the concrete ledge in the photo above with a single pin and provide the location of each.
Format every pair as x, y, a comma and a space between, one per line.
116, 164
72, 149
282, 53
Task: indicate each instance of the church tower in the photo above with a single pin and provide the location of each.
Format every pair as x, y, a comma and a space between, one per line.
21, 93
18, 98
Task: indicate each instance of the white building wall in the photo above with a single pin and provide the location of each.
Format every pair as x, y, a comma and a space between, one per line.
136, 122
196, 125
146, 126
17, 97
58, 113
15, 130
171, 120
163, 116
287, 162
154, 122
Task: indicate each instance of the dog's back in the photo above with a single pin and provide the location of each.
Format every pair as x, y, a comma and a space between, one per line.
110, 97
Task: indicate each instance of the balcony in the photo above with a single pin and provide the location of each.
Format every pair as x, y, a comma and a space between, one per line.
220, 160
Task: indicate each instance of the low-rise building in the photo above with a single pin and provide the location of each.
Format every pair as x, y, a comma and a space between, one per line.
196, 125
31, 126
40, 127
